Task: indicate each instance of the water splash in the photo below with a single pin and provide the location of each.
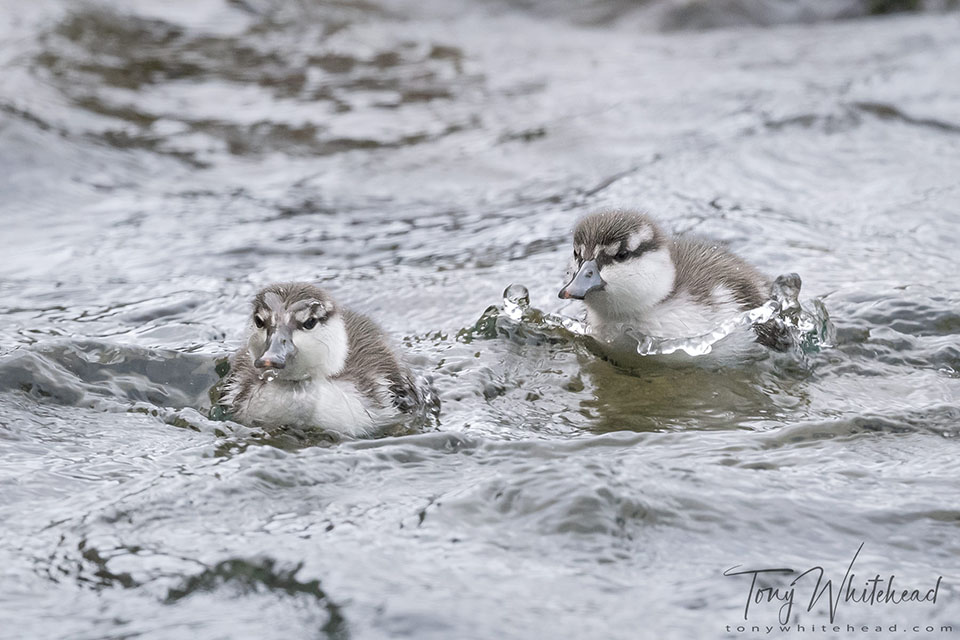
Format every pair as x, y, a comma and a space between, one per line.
572, 325
786, 291
810, 328
516, 306
807, 329
516, 300
703, 344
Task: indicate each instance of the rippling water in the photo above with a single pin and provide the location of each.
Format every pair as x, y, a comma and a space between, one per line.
161, 161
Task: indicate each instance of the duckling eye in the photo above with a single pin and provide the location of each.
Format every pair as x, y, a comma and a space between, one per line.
622, 255
309, 323
258, 321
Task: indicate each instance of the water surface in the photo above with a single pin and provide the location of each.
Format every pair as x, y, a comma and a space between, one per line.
162, 161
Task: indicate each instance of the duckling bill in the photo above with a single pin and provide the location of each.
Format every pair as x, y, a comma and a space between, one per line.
309, 362
629, 273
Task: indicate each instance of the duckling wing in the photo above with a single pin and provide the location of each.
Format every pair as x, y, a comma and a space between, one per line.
374, 367
705, 267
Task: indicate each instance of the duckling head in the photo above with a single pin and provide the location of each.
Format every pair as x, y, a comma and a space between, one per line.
621, 264
297, 332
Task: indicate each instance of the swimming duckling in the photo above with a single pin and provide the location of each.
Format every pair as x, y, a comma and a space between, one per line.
311, 363
629, 273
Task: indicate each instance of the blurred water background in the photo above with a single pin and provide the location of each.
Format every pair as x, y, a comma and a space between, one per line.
162, 160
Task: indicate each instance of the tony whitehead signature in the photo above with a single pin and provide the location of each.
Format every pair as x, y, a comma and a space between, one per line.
875, 590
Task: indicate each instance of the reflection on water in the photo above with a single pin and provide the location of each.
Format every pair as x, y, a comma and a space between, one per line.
163, 161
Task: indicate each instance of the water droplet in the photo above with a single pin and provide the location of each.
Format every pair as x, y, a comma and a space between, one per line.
516, 300
268, 375
786, 291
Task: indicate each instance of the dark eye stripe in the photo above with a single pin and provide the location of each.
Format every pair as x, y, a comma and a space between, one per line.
649, 245
623, 254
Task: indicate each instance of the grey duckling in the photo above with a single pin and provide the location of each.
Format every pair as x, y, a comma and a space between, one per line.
309, 362
629, 273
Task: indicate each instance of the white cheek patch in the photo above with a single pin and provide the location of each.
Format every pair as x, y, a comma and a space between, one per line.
624, 273
637, 238
322, 351
635, 286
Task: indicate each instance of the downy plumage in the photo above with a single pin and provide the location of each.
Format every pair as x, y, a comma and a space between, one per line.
630, 274
310, 363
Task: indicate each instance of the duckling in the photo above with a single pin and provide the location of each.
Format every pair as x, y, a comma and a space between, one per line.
629, 273
310, 363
